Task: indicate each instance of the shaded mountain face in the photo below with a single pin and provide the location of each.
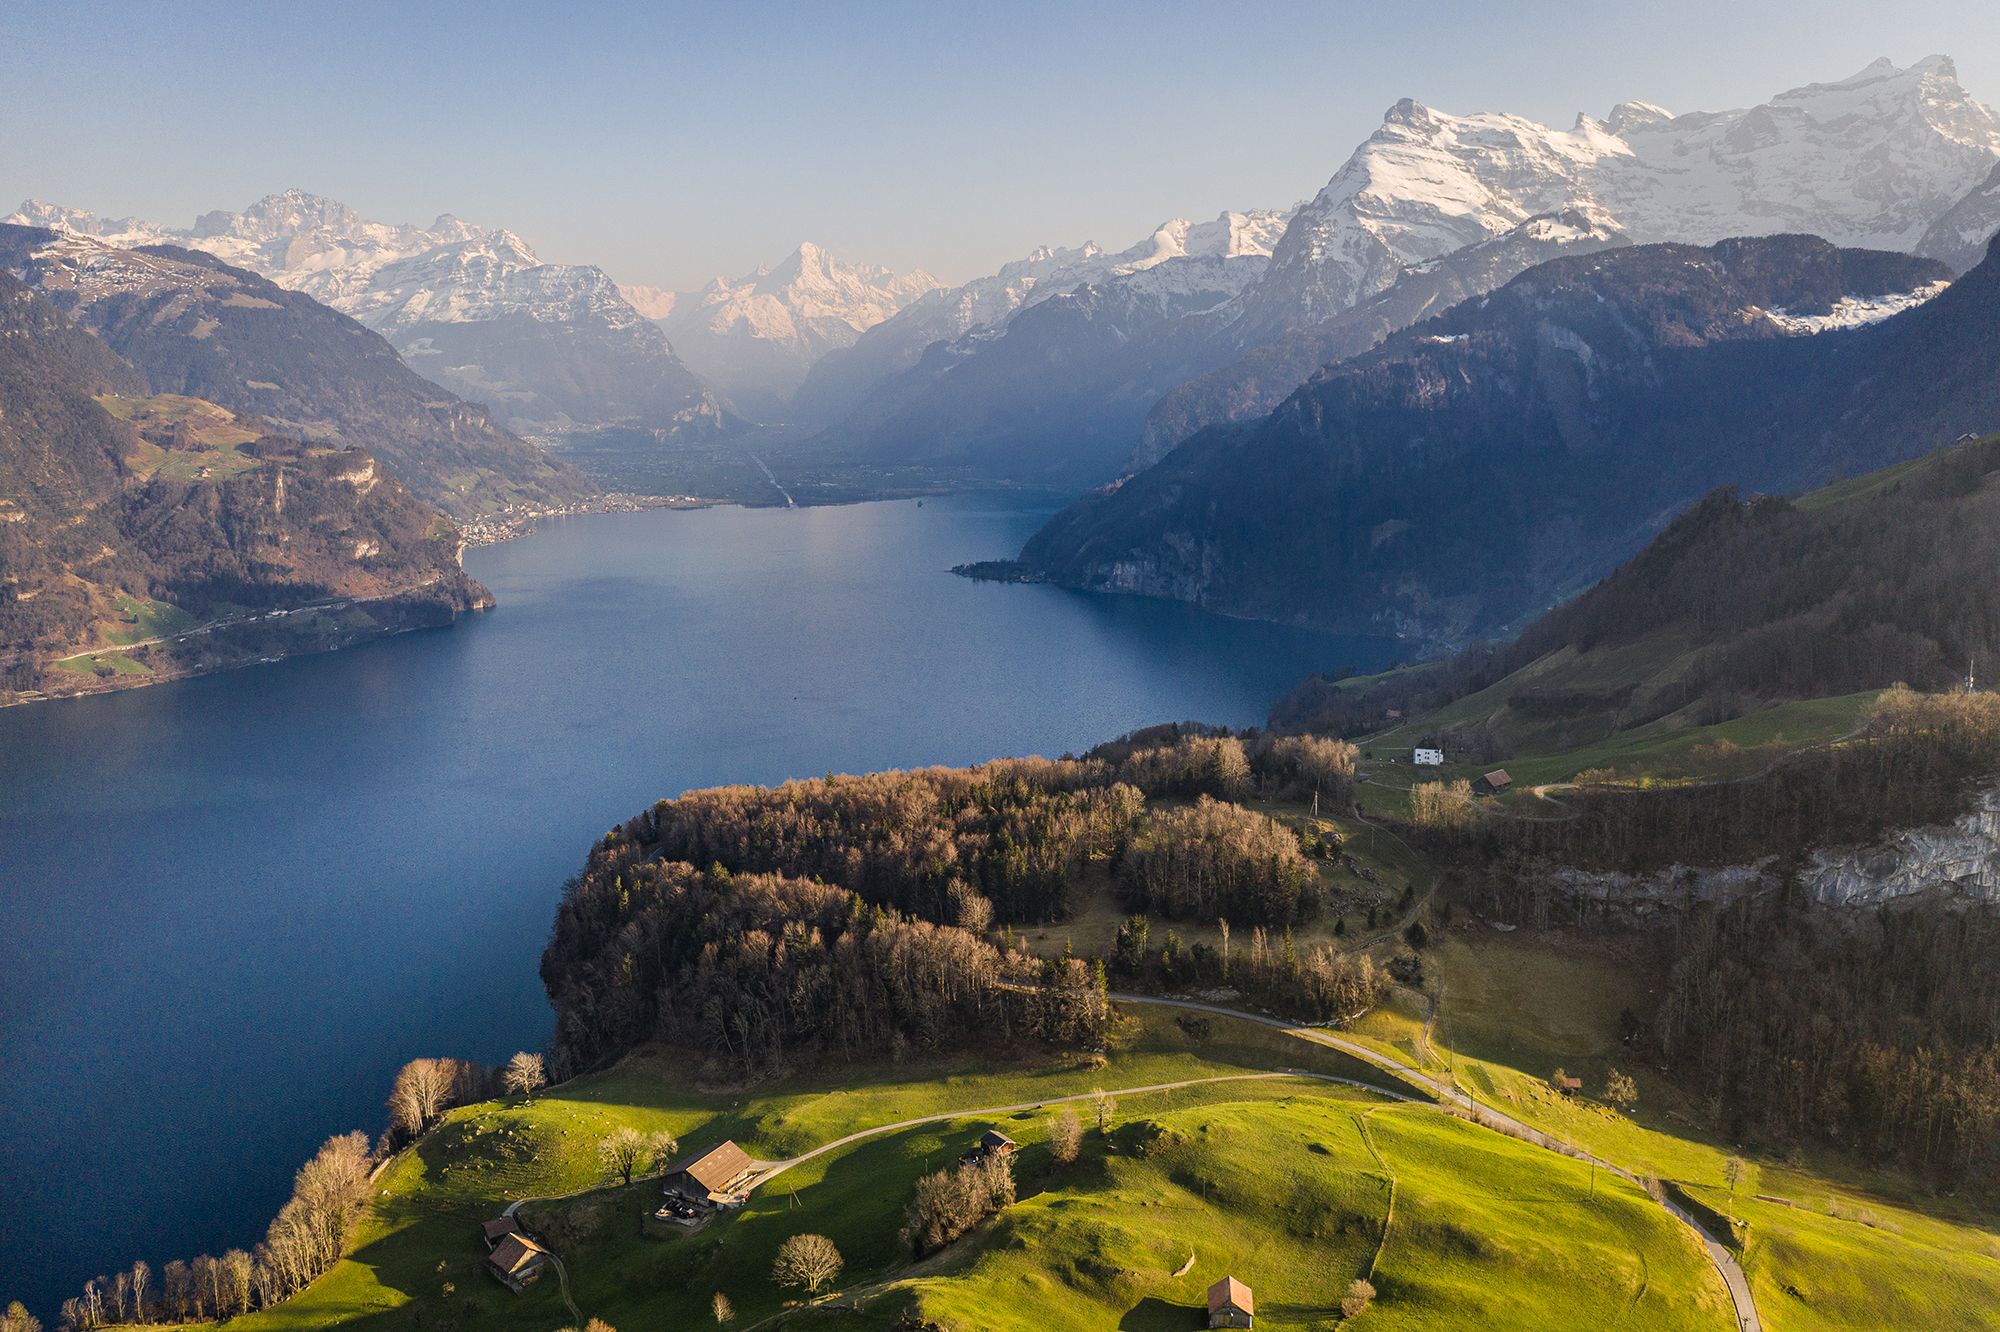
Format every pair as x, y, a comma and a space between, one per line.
192, 325
544, 346
1053, 397
1488, 462
756, 337
1739, 604
129, 518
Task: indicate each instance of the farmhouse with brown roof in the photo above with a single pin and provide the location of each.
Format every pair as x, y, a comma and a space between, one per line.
716, 1177
1493, 783
517, 1262
1230, 1304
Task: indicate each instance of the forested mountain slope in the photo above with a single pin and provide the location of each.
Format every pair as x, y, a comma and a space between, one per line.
1480, 467
193, 325
128, 520
1738, 605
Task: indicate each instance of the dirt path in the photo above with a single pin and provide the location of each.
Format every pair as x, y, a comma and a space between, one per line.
770, 1170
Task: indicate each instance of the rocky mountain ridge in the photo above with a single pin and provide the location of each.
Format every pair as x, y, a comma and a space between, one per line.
544, 346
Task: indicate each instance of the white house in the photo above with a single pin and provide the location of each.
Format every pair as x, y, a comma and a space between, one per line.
1427, 758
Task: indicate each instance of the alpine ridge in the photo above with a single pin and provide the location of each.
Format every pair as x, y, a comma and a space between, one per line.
546, 346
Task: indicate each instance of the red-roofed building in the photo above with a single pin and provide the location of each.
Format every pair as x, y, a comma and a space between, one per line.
1230, 1304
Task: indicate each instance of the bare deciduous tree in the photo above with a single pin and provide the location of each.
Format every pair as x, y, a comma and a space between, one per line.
1066, 1136
526, 1074
1359, 1295
422, 1091
725, 1312
622, 1151
807, 1262
1105, 1105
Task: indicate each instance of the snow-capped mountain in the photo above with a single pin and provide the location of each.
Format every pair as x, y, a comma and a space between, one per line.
193, 324
546, 346
1256, 383
842, 380
755, 337
1872, 160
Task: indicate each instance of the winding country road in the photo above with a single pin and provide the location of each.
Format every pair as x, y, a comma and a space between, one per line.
1499, 1121
1725, 1262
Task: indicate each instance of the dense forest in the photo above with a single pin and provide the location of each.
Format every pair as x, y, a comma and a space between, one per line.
756, 969
850, 914
1914, 763
1876, 1030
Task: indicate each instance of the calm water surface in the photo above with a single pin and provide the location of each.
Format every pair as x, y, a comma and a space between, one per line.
235, 905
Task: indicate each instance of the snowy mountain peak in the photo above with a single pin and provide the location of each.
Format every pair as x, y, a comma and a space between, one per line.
1628, 116
756, 336
1871, 160
464, 304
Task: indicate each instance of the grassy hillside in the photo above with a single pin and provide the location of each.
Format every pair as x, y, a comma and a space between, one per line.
1849, 1248
1295, 1186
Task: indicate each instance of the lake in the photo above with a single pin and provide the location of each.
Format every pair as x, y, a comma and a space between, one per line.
235, 905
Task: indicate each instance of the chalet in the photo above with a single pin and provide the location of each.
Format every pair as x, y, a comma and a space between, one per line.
1493, 783
719, 1177
499, 1228
1427, 758
1230, 1304
517, 1262
991, 1143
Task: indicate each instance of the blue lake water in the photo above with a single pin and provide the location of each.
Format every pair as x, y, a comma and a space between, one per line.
235, 905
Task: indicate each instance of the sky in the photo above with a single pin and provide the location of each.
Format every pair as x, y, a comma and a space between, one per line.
671, 143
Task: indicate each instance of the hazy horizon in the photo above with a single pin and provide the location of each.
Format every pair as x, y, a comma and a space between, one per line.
666, 147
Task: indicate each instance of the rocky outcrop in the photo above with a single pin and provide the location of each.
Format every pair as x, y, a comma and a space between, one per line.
1959, 861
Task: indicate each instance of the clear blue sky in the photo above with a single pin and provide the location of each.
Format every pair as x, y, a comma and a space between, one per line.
669, 143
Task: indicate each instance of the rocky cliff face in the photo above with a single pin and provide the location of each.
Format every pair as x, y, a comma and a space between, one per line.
1959, 861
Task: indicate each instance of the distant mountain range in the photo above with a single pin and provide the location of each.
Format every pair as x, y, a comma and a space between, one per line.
1432, 207
544, 346
1488, 462
191, 324
756, 337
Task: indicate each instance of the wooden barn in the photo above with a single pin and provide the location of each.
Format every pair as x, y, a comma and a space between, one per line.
1230, 1304
1493, 783
716, 1178
517, 1262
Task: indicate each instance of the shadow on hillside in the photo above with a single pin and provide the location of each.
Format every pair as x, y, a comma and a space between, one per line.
1154, 1314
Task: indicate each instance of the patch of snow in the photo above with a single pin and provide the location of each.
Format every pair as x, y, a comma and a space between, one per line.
1855, 311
